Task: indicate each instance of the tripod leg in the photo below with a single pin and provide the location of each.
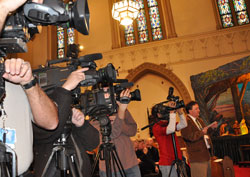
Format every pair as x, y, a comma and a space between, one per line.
182, 169
96, 161
115, 158
71, 166
106, 155
74, 166
49, 161
170, 171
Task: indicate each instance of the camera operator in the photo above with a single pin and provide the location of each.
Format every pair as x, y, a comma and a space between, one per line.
162, 131
123, 127
23, 105
82, 136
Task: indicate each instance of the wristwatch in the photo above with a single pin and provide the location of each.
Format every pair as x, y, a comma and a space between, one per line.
32, 83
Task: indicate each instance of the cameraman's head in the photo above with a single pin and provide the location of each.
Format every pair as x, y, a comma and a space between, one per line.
159, 112
192, 108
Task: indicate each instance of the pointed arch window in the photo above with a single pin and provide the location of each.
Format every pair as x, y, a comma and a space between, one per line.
148, 25
62, 38
233, 12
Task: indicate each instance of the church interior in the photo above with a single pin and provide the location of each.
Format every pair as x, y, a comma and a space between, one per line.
170, 44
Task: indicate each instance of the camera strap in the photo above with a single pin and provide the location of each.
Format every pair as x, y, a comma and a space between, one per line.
125, 100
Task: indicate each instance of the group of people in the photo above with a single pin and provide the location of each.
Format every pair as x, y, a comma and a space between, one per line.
148, 157
43, 118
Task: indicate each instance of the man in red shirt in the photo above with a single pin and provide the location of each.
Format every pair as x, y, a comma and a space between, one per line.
162, 131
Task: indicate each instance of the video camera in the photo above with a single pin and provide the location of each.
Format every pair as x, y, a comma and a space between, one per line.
101, 99
21, 26
52, 76
164, 109
106, 88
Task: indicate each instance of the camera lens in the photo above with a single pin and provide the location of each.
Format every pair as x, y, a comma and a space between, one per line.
107, 74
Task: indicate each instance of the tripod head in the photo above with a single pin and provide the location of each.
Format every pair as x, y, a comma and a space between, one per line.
66, 132
105, 127
64, 156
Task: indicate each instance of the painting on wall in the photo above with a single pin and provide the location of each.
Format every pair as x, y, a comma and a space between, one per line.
225, 106
246, 101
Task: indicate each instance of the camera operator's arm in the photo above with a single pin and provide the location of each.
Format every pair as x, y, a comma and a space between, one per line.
129, 127
43, 109
63, 98
84, 131
172, 124
123, 107
124, 121
74, 79
183, 121
8, 6
172, 119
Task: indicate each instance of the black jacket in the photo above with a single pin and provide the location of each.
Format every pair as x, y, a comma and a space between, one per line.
86, 138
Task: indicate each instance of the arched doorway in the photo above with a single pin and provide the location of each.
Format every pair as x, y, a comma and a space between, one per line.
160, 71
153, 81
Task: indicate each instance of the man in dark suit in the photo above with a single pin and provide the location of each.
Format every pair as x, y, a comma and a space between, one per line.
198, 141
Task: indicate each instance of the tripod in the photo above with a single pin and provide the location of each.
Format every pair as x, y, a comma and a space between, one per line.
7, 161
177, 163
107, 151
63, 158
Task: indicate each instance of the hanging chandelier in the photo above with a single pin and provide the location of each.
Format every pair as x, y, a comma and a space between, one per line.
125, 11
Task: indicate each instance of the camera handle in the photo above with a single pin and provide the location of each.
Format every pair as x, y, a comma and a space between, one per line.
150, 125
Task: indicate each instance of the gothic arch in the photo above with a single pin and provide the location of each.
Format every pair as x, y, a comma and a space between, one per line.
160, 70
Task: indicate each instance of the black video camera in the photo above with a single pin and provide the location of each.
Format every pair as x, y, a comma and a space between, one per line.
162, 107
21, 26
135, 95
53, 76
101, 99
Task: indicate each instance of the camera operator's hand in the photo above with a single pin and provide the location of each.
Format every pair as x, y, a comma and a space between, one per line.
77, 117
179, 111
171, 104
122, 107
18, 71
74, 79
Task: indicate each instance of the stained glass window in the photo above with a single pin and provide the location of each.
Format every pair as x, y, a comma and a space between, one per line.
155, 19
71, 35
129, 35
225, 13
148, 16
142, 24
241, 12
238, 7
60, 42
